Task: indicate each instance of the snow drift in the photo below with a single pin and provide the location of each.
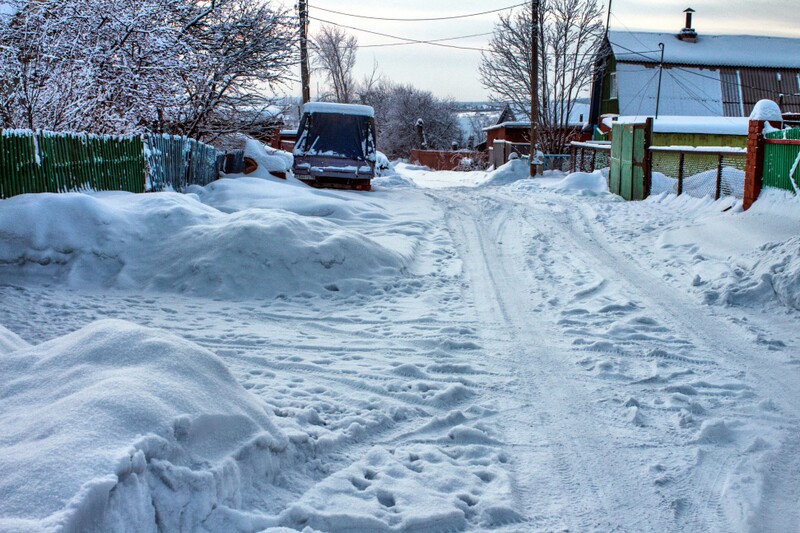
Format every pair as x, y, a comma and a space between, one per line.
118, 427
173, 242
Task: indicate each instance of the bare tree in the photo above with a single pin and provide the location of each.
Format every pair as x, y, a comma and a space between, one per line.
570, 34
334, 54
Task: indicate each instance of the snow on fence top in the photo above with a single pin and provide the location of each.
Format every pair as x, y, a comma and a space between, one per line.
698, 125
340, 109
717, 50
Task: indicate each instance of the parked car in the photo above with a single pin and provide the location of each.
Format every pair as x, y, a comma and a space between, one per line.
336, 146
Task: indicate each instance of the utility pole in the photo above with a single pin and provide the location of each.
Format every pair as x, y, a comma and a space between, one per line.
608, 18
304, 77
534, 83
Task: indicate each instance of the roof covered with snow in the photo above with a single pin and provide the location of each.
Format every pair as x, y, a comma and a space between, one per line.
687, 124
340, 109
711, 50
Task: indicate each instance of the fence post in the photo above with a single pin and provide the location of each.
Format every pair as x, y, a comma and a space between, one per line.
681, 160
574, 154
594, 159
718, 191
754, 168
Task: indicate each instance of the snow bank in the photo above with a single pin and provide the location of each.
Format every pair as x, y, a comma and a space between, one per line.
173, 242
514, 170
742, 258
120, 428
584, 183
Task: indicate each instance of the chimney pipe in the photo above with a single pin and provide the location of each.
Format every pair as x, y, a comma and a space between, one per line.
688, 34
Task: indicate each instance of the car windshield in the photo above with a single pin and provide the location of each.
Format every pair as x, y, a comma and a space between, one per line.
337, 135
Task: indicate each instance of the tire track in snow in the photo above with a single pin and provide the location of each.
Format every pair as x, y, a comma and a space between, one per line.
505, 302
697, 497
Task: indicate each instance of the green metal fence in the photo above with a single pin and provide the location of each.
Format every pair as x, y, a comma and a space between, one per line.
781, 166
42, 161
176, 162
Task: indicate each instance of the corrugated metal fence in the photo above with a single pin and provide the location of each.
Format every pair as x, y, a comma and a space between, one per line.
42, 161
781, 156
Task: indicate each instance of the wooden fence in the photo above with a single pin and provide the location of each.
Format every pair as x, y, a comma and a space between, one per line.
33, 162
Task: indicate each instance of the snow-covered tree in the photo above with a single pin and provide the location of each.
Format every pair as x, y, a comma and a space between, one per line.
398, 108
569, 36
116, 66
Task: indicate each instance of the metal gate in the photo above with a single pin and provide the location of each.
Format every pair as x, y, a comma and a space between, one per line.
629, 173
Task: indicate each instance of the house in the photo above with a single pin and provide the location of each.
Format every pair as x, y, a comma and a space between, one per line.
700, 75
512, 136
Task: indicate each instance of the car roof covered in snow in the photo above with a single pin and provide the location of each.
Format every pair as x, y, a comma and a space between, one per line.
340, 109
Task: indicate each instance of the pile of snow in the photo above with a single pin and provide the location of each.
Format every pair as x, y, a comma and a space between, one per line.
513, 171
767, 110
174, 243
583, 183
742, 258
116, 427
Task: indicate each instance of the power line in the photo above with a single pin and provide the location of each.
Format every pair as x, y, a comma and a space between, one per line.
427, 41
409, 41
421, 19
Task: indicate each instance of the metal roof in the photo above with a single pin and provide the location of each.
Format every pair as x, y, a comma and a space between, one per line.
709, 50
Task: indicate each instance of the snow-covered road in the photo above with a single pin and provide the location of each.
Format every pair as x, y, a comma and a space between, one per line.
528, 355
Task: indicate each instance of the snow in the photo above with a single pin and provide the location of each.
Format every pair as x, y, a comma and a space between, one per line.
453, 351
112, 417
341, 109
766, 110
716, 50
588, 183
268, 159
7, 10
687, 124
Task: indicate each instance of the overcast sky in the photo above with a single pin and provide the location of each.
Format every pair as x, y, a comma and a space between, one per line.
454, 73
